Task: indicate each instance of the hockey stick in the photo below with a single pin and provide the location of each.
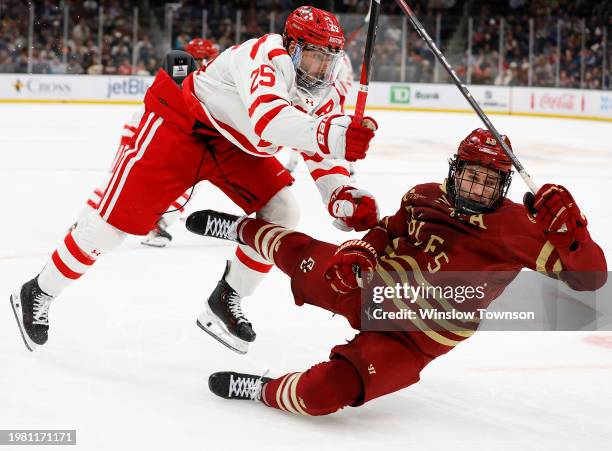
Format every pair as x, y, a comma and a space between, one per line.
366, 65
468, 96
357, 30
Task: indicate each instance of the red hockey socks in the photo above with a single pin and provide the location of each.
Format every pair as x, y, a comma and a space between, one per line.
323, 389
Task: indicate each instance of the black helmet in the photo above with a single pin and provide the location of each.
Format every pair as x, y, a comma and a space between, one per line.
178, 65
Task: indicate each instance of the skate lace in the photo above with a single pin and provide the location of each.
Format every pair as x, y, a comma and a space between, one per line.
233, 303
219, 228
246, 387
41, 309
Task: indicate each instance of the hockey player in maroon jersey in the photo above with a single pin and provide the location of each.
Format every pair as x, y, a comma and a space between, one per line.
463, 224
224, 124
202, 51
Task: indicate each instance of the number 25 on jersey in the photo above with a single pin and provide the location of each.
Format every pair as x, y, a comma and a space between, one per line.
262, 76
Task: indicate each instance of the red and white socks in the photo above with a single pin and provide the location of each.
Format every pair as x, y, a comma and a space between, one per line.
77, 253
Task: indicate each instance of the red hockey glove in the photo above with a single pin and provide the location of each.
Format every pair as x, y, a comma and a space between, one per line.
358, 137
339, 137
556, 212
351, 260
353, 209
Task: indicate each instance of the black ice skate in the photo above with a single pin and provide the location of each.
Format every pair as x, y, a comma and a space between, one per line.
31, 309
223, 318
213, 223
230, 385
159, 236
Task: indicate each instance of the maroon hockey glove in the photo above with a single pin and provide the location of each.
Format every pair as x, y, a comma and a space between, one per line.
353, 209
556, 212
358, 137
352, 259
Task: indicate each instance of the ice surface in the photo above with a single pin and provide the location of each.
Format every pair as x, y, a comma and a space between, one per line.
127, 367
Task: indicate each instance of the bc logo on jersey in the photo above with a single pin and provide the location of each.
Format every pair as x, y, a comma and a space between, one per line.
307, 264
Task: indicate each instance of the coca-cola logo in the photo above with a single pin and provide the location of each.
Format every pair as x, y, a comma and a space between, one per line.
562, 102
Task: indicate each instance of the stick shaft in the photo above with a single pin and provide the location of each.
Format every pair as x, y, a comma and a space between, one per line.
414, 21
366, 65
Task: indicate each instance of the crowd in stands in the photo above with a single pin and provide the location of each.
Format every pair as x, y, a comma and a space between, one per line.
111, 50
81, 52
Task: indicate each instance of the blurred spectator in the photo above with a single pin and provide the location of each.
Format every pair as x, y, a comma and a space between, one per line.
580, 57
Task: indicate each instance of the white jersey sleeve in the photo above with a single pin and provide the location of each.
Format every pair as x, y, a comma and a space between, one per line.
327, 174
248, 93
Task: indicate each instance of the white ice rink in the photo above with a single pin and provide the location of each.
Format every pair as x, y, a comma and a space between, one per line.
126, 366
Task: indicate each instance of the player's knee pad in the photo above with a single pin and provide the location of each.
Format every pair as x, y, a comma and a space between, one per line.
282, 209
95, 236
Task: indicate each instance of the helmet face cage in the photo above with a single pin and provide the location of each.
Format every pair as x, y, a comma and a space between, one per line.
478, 188
316, 67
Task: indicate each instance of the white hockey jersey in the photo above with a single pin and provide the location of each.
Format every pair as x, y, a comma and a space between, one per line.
250, 95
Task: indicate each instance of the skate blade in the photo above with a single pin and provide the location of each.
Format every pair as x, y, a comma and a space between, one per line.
155, 243
16, 306
216, 329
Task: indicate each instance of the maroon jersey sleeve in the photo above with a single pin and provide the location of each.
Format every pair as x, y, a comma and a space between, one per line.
582, 267
389, 227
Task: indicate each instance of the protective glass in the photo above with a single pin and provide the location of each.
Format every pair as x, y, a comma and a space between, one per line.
316, 67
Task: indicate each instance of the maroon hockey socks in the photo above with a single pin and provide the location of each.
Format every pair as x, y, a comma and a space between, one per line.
323, 389
266, 239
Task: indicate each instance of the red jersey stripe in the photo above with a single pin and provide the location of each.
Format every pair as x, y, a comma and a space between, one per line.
277, 52
264, 120
316, 157
244, 142
255, 48
266, 98
318, 173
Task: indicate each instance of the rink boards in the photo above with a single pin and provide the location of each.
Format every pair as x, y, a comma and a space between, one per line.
547, 102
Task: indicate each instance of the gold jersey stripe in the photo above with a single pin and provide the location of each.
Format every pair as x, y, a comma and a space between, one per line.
274, 243
543, 257
435, 336
285, 394
297, 402
420, 278
267, 238
422, 303
278, 393
258, 234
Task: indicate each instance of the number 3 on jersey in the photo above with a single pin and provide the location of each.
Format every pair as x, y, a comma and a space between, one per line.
262, 76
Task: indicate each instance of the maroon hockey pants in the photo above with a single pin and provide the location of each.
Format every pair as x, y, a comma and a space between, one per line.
371, 365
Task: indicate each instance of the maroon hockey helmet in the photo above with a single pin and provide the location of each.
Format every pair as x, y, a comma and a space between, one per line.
482, 148
484, 186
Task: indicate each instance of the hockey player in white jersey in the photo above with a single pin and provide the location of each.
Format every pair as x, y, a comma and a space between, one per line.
224, 125
202, 51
